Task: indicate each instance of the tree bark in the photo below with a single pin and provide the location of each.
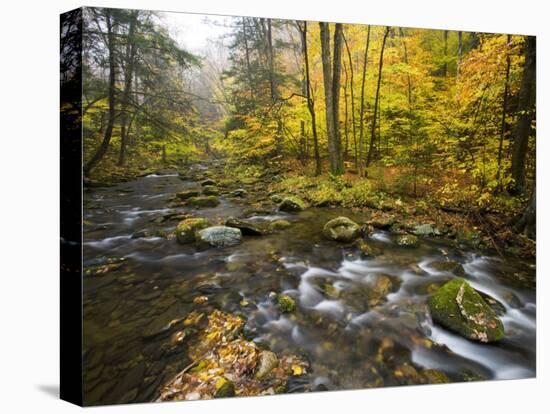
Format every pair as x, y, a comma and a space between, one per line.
336, 74
446, 42
362, 107
128, 76
376, 99
526, 103
310, 102
352, 97
459, 55
111, 36
527, 223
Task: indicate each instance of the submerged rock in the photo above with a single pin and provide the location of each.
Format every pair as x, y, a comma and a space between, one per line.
449, 266
460, 308
292, 204
407, 240
247, 228
186, 229
219, 236
280, 224
224, 388
341, 229
365, 249
203, 201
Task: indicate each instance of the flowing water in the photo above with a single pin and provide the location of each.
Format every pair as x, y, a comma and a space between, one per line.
339, 327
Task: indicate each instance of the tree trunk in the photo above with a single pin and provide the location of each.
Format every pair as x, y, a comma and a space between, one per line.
310, 102
526, 115
272, 84
376, 99
354, 134
111, 36
247, 57
329, 100
128, 76
504, 109
336, 74
527, 223
362, 107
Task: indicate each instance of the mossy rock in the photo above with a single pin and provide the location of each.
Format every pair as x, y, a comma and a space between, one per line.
292, 204
426, 230
186, 229
185, 195
280, 224
407, 240
285, 303
460, 308
208, 182
276, 198
366, 250
203, 201
341, 229
210, 190
239, 192
434, 376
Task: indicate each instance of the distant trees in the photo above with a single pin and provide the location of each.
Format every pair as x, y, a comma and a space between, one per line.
143, 85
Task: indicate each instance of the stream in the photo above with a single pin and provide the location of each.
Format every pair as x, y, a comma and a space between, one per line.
342, 331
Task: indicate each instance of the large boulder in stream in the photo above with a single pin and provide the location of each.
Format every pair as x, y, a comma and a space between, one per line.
210, 190
219, 236
292, 204
203, 201
208, 181
341, 229
460, 308
186, 229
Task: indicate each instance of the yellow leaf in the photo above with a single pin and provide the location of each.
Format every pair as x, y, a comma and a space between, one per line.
297, 370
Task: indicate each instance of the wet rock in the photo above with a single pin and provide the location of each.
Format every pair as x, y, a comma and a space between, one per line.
186, 229
268, 361
239, 192
460, 308
207, 182
219, 236
210, 190
469, 238
513, 300
366, 250
341, 229
285, 303
494, 304
292, 204
450, 266
426, 230
382, 222
407, 240
185, 195
247, 228
434, 376
225, 388
203, 201
407, 374
382, 286
280, 224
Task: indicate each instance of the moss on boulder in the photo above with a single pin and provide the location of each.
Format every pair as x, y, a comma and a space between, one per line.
341, 229
460, 308
280, 224
184, 195
292, 204
186, 229
210, 190
203, 201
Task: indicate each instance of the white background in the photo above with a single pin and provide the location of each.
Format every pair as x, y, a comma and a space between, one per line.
29, 219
